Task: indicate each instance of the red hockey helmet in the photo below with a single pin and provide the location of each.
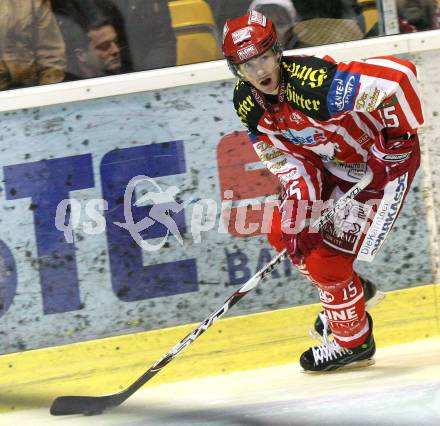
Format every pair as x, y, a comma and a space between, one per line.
247, 37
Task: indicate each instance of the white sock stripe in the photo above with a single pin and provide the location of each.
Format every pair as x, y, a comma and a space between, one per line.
356, 336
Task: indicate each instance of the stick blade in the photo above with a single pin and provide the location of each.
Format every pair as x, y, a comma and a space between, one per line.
88, 405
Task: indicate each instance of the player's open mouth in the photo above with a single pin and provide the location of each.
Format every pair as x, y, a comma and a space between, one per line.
266, 81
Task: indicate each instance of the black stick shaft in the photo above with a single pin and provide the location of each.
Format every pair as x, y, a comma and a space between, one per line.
95, 404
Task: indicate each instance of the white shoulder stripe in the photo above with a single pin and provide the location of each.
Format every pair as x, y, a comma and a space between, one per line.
394, 65
407, 109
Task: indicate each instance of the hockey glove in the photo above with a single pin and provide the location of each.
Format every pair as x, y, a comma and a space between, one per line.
301, 245
298, 244
298, 237
389, 159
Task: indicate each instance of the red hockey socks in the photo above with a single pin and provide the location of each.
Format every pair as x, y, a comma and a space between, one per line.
341, 295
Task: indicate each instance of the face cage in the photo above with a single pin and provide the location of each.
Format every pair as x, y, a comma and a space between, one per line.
276, 48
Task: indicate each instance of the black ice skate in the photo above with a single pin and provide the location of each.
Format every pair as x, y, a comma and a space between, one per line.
330, 356
372, 298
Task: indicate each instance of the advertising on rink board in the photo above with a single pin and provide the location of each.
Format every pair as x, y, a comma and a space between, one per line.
143, 211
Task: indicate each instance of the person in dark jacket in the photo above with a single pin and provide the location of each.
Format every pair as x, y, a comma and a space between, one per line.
95, 39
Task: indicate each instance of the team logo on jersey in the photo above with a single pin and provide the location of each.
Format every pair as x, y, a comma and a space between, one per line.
307, 136
325, 296
342, 93
296, 118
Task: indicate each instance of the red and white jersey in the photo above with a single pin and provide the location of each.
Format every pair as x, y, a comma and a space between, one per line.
328, 116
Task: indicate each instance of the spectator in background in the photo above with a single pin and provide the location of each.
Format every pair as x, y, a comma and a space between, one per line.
418, 15
327, 21
283, 15
150, 36
94, 36
97, 52
32, 49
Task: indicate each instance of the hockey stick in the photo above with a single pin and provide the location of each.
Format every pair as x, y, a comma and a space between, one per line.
90, 405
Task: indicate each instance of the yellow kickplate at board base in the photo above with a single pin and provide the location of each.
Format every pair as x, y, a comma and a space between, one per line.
98, 367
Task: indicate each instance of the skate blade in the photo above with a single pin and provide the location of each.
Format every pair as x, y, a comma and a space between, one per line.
375, 300
352, 366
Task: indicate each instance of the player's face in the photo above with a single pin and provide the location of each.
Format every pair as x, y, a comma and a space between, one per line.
263, 72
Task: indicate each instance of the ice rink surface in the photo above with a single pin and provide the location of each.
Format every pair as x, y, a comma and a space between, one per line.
402, 389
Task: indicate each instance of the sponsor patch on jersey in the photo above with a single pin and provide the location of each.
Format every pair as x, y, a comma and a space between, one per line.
384, 218
243, 34
302, 102
363, 139
257, 18
345, 231
369, 101
307, 75
285, 178
263, 146
244, 108
247, 52
396, 157
342, 93
307, 136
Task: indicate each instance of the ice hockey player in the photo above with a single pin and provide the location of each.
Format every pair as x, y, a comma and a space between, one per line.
318, 125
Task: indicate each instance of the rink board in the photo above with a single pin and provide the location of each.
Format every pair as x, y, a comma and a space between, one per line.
34, 378
93, 281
